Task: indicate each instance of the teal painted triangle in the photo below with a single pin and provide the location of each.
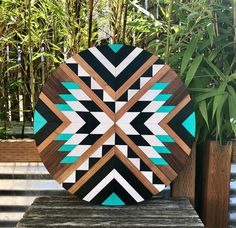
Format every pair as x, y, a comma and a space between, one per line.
115, 47
39, 121
113, 200
190, 124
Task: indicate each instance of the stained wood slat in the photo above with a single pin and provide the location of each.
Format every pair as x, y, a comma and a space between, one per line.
70, 211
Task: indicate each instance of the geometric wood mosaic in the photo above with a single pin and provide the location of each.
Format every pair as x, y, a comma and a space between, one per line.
114, 125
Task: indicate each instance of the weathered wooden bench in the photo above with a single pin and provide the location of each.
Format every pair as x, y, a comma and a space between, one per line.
68, 211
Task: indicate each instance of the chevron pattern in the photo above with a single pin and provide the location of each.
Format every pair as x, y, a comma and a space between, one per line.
114, 125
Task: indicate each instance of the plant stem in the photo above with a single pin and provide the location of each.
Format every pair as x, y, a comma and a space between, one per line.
169, 17
90, 22
32, 79
125, 21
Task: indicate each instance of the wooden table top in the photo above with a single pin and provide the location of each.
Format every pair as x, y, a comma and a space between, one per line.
70, 211
114, 125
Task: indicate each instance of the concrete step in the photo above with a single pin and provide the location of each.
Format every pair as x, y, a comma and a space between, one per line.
11, 184
30, 176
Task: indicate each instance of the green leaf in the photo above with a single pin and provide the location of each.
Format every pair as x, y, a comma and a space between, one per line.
210, 94
232, 112
210, 30
218, 99
188, 54
231, 77
203, 110
216, 69
219, 118
193, 69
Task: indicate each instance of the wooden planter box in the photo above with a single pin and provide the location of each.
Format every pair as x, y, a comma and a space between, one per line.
18, 151
216, 184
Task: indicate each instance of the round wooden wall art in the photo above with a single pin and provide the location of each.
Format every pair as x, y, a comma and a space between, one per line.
114, 125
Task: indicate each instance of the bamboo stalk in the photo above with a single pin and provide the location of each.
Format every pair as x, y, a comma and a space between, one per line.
31, 68
125, 21
90, 22
169, 17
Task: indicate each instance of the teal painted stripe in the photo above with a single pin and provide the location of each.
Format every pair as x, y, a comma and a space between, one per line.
70, 85
164, 138
67, 148
115, 47
162, 97
67, 97
158, 161
161, 149
64, 107
64, 137
69, 159
113, 200
190, 124
159, 86
39, 121
166, 108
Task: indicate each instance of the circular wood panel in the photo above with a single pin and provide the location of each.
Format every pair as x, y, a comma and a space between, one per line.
114, 125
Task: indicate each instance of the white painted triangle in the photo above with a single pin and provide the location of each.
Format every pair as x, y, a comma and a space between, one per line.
136, 162
159, 187
123, 149
105, 123
107, 97
119, 105
70, 60
84, 165
131, 93
156, 68
70, 179
95, 85
82, 72
148, 175
144, 80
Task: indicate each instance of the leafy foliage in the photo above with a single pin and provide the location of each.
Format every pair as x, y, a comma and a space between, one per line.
197, 38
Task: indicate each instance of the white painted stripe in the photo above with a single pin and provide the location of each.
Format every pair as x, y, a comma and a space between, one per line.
153, 106
76, 139
150, 152
80, 94
152, 140
102, 59
153, 123
128, 60
79, 150
113, 175
150, 95
110, 67
77, 106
